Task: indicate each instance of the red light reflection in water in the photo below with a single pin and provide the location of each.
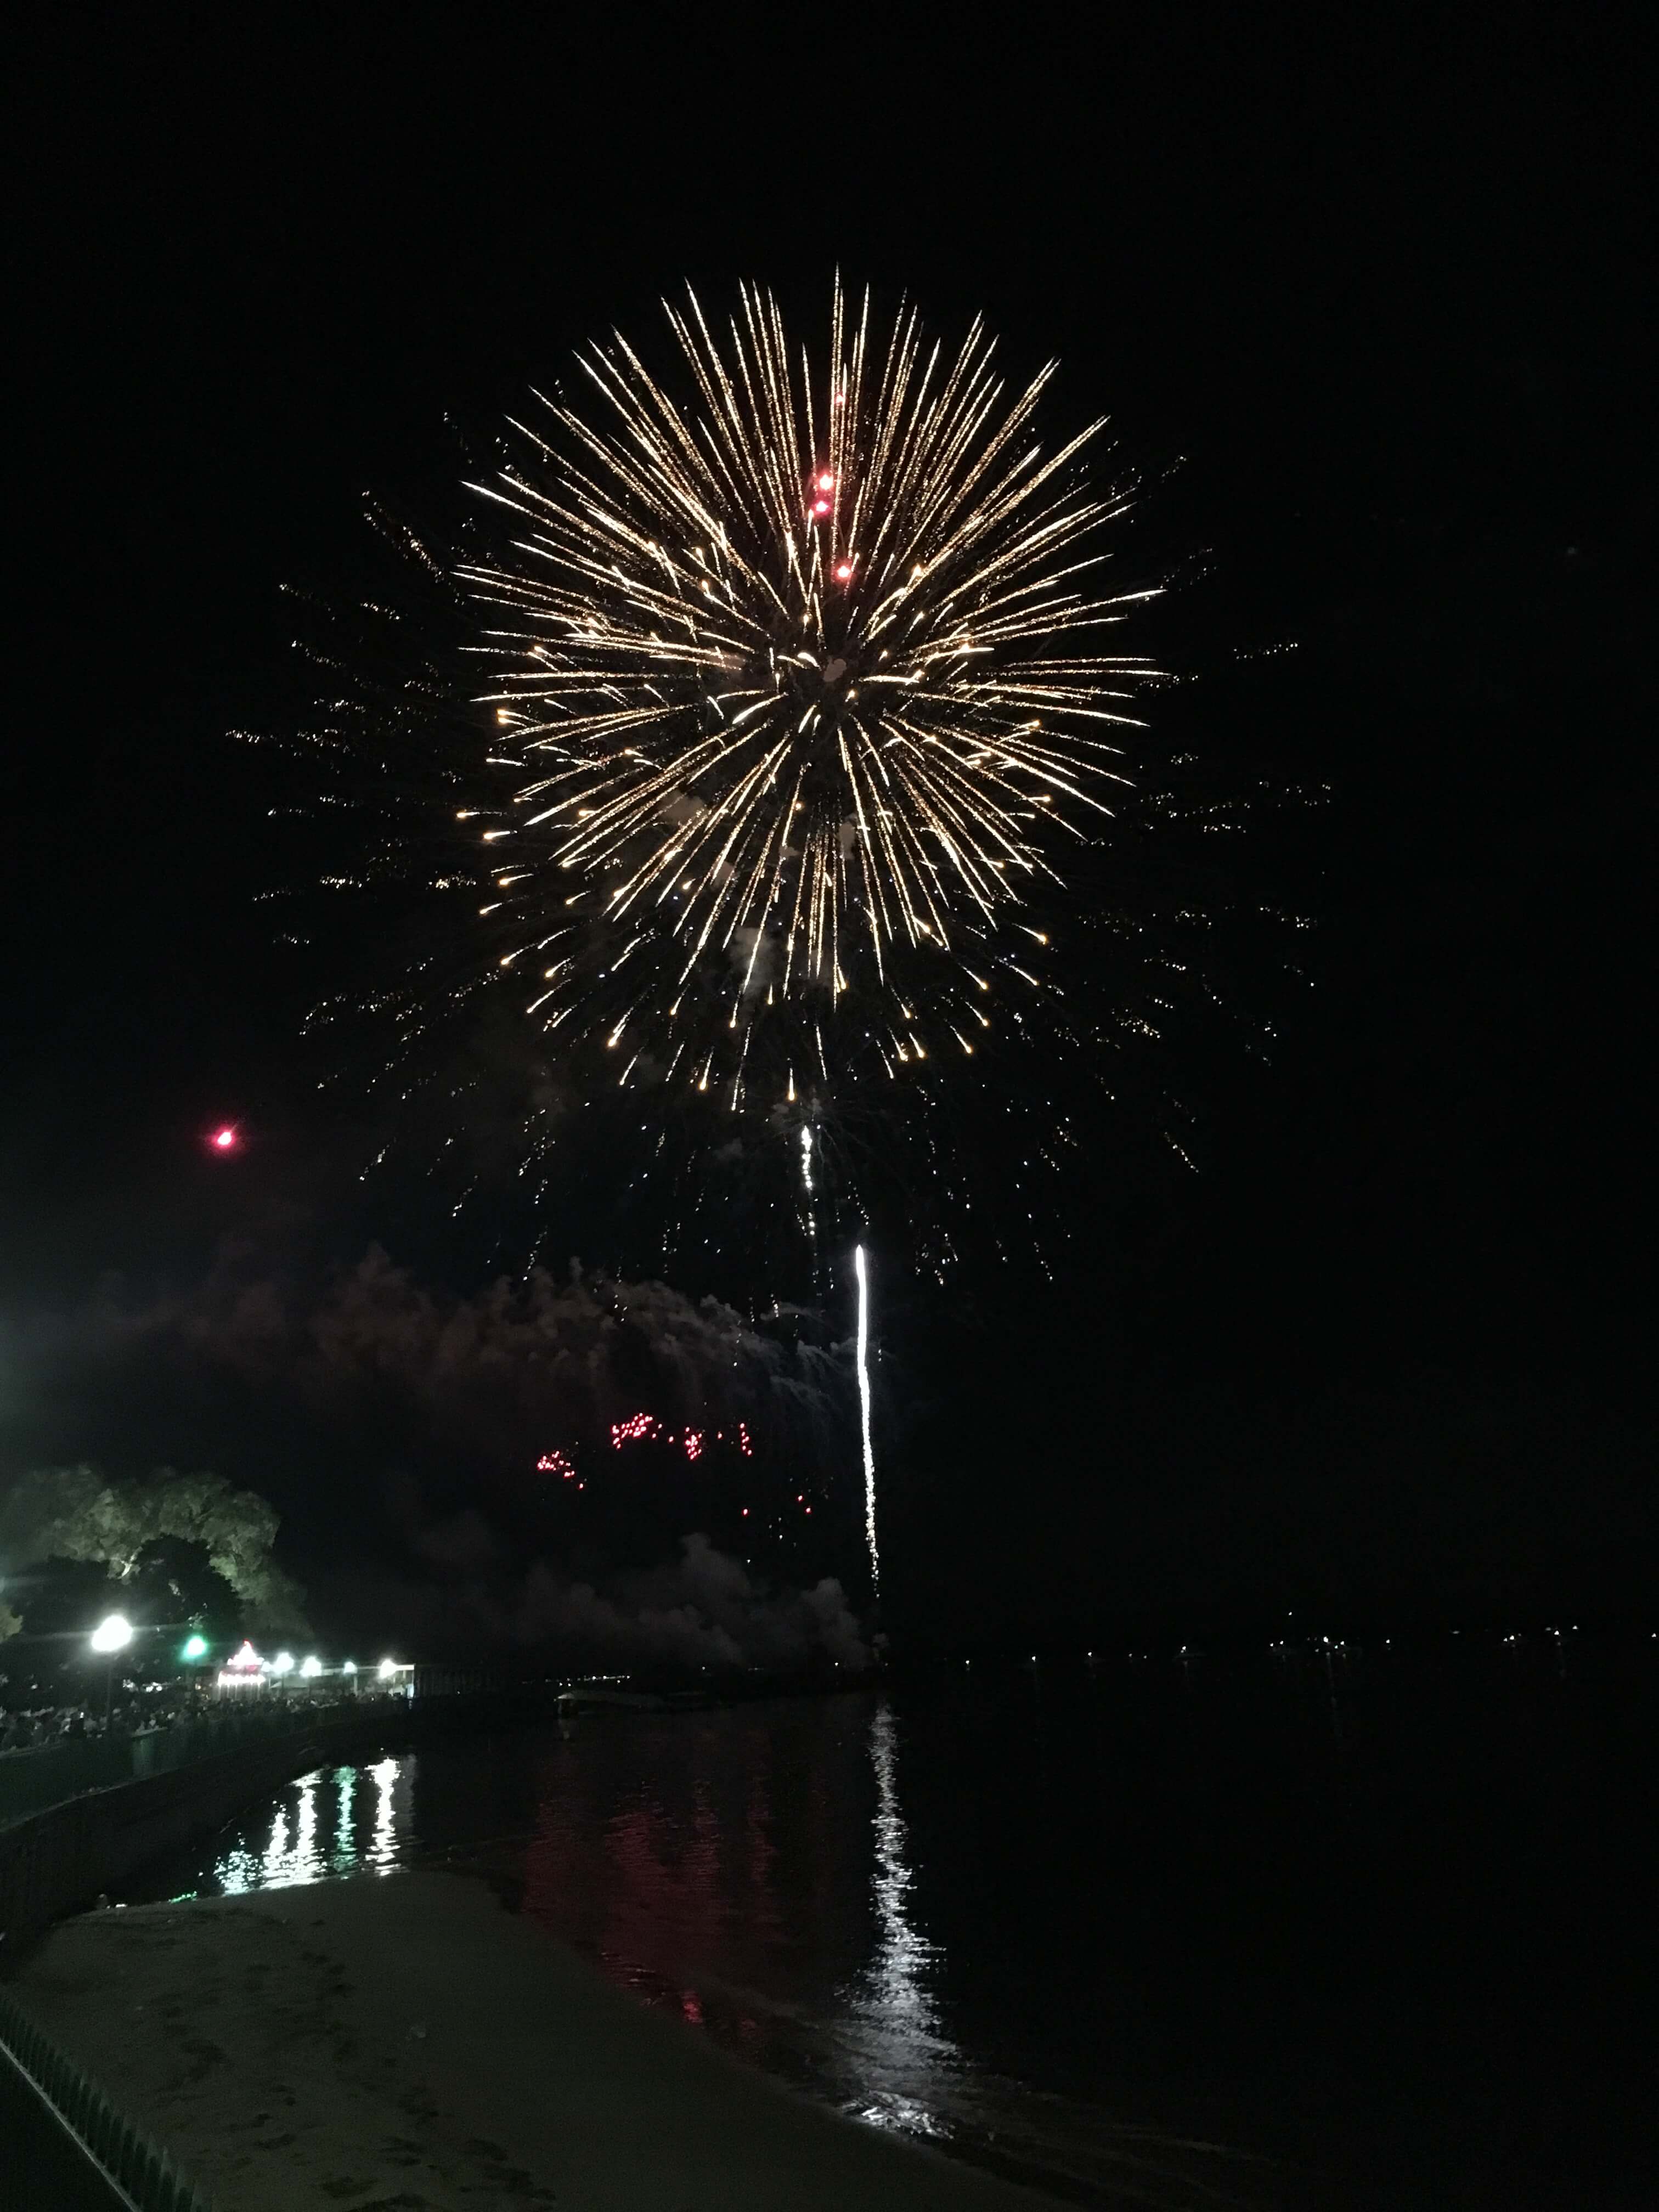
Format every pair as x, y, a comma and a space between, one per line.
750, 1872
666, 1884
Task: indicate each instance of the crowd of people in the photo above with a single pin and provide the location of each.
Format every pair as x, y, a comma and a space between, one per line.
35, 1727
40, 1727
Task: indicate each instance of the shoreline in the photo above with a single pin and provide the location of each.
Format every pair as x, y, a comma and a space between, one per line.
402, 2040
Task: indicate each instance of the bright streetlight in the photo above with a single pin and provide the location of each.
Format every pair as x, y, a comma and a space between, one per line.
386, 1669
310, 1669
113, 1633
195, 1648
351, 1667
282, 1663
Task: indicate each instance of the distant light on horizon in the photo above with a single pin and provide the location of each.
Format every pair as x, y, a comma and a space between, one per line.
224, 1140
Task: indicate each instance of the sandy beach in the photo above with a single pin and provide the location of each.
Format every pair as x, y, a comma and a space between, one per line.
404, 2042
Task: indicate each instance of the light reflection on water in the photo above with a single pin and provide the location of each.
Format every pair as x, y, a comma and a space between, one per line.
1001, 1914
299, 1847
786, 1878
892, 2018
752, 1872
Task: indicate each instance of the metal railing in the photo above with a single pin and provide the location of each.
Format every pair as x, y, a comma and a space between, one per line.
64, 2145
32, 1780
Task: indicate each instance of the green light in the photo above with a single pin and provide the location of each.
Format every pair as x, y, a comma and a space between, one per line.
196, 1648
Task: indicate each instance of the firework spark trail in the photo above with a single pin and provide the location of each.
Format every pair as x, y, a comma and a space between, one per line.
797, 684
864, 1416
714, 863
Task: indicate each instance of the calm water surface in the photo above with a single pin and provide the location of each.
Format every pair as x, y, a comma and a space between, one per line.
1333, 1932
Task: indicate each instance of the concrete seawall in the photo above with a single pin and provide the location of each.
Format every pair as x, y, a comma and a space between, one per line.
374, 2042
56, 1861
63, 2144
384, 2042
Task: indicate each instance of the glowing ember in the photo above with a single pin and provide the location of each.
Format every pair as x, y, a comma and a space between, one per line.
630, 1430
646, 1428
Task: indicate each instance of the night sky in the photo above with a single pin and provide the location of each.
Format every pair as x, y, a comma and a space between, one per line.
1363, 296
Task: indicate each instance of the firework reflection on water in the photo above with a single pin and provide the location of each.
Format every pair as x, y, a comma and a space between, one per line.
753, 1873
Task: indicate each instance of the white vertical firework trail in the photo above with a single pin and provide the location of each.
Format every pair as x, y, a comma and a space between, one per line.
864, 1415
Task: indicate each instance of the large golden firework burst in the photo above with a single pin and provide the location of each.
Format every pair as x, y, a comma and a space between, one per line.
799, 676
